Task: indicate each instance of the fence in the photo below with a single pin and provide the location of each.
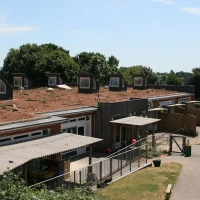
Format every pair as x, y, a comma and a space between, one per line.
161, 143
112, 167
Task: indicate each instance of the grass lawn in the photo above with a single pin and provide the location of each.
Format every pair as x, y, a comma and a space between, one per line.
149, 183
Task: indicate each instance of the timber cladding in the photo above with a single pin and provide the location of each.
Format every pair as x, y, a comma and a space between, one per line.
106, 113
161, 125
173, 121
196, 113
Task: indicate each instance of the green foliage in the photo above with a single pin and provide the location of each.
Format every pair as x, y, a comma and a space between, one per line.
12, 187
36, 60
195, 80
96, 64
152, 153
172, 79
128, 73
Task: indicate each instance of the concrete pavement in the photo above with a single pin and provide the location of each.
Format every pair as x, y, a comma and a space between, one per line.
187, 186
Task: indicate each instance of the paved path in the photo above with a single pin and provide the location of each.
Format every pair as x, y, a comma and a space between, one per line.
187, 186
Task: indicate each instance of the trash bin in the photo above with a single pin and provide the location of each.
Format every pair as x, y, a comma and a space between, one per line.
187, 149
157, 163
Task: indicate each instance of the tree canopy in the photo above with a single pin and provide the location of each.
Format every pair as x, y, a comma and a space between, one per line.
195, 80
36, 60
97, 64
128, 73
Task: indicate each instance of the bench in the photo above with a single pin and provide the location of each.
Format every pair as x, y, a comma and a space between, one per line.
168, 191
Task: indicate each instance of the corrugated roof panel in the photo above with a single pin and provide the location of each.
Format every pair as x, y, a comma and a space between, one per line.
30, 123
15, 155
70, 111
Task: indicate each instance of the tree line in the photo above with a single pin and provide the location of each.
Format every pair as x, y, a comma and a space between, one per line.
37, 60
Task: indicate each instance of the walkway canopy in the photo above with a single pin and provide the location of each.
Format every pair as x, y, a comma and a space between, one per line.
15, 155
134, 121
131, 122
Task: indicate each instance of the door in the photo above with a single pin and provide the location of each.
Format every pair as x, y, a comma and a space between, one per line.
81, 131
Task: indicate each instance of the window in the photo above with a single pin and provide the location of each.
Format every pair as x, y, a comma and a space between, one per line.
88, 117
60, 81
123, 83
52, 81
94, 84
17, 81
71, 130
2, 87
5, 140
138, 81
46, 132
114, 82
84, 82
36, 134
25, 82
82, 118
20, 137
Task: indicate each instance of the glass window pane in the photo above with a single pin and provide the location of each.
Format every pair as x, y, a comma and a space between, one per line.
84, 82
114, 82
52, 81
2, 87
25, 82
17, 81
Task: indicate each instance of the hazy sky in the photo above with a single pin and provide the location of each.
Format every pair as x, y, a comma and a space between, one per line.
161, 34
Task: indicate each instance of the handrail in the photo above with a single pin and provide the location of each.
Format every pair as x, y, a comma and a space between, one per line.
117, 152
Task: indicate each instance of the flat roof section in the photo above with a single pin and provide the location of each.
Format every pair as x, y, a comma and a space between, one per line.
176, 105
70, 111
157, 109
31, 123
135, 121
169, 96
192, 102
15, 155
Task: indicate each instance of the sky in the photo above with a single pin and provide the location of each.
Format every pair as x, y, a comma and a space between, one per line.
161, 34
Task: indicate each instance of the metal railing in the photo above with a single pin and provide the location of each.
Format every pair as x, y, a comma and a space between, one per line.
110, 168
161, 142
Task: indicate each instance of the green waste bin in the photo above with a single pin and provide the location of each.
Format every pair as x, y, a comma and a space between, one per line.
187, 151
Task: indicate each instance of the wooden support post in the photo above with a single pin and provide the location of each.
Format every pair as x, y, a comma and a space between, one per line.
146, 152
114, 137
132, 130
170, 144
25, 172
100, 170
184, 143
153, 138
90, 154
90, 158
110, 167
67, 169
138, 133
121, 164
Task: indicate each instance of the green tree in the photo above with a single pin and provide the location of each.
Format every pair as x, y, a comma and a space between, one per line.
12, 187
36, 60
195, 80
185, 76
128, 73
172, 79
96, 64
